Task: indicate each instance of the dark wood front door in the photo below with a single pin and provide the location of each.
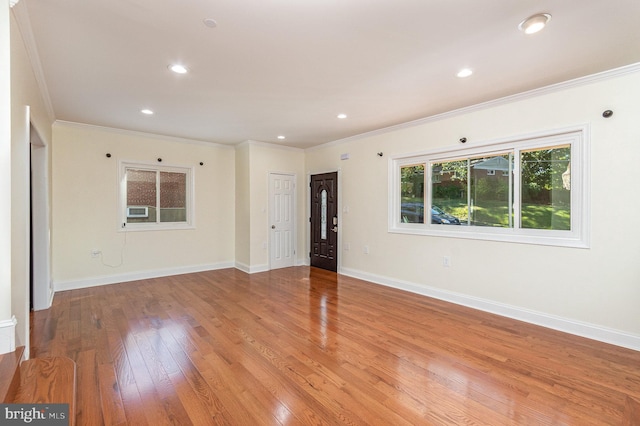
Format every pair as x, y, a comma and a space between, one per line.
324, 221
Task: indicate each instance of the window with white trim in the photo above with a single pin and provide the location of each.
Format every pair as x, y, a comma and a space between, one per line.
528, 190
155, 197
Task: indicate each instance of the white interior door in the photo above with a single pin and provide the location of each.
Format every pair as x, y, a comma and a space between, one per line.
281, 220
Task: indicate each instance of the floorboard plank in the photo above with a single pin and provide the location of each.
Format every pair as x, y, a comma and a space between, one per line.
89, 404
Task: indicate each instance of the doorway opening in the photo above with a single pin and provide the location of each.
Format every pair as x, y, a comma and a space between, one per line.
41, 286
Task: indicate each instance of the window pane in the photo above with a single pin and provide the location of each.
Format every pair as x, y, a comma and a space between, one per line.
323, 214
141, 196
546, 188
449, 192
412, 194
490, 191
173, 197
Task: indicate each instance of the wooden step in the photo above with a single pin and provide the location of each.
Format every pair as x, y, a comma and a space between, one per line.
48, 380
10, 374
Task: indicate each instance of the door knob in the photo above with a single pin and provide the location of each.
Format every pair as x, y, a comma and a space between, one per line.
273, 227
334, 229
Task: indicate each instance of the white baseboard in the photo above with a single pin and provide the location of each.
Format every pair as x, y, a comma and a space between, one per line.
243, 267
52, 293
251, 269
134, 276
265, 267
578, 328
8, 335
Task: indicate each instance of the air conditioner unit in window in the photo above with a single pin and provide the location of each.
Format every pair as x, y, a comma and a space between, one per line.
138, 211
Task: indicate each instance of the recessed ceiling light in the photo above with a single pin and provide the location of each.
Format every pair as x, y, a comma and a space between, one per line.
211, 23
280, 137
146, 111
342, 116
178, 69
465, 72
534, 23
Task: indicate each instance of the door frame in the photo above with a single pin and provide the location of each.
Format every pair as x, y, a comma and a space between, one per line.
340, 216
42, 295
294, 213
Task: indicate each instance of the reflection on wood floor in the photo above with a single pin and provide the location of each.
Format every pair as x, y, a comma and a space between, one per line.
307, 346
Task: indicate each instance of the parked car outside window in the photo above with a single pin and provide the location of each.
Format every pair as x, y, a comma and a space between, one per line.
414, 213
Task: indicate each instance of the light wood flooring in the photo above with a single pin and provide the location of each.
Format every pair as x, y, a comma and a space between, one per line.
307, 346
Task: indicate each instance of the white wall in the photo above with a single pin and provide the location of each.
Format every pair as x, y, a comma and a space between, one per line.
7, 327
243, 207
231, 206
255, 161
27, 106
594, 292
264, 160
85, 208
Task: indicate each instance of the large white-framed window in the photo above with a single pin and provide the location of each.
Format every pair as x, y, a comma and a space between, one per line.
155, 197
530, 189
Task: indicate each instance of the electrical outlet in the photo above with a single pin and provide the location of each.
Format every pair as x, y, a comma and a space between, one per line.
346, 246
95, 252
446, 261
366, 249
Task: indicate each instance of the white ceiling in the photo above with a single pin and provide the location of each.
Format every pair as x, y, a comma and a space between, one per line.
288, 67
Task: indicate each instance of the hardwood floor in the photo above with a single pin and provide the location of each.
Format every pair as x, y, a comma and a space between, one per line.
307, 346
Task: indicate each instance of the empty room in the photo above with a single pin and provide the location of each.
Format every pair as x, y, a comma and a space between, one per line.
319, 212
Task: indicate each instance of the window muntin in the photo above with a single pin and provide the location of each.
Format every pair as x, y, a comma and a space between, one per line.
155, 197
536, 194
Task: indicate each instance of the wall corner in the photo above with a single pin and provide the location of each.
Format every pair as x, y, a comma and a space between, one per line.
8, 335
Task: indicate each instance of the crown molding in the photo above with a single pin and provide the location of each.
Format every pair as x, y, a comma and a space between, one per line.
140, 134
553, 88
24, 26
268, 145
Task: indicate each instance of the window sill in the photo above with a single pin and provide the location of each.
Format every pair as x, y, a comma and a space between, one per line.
537, 237
155, 227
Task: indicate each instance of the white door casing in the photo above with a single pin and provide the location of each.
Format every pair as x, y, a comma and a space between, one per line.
41, 249
282, 203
